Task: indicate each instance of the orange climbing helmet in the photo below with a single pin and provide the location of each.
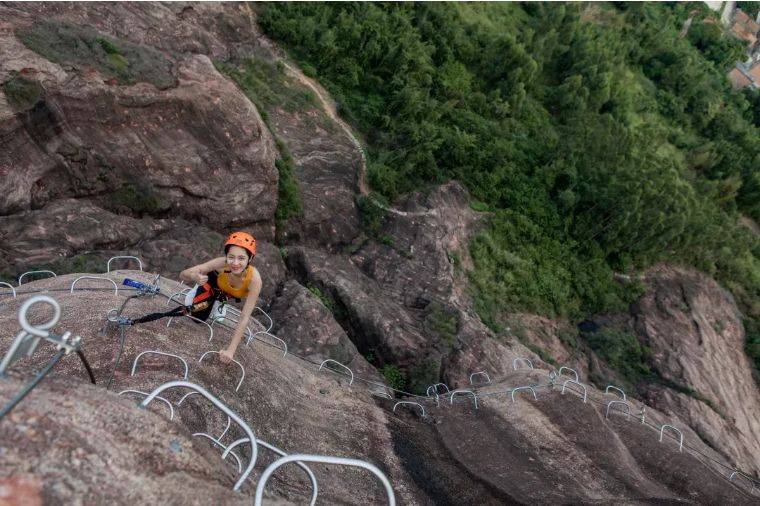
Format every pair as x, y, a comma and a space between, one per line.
244, 240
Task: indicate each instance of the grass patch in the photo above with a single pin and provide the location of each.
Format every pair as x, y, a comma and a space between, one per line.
268, 86
22, 93
423, 375
623, 353
81, 46
441, 322
140, 198
394, 376
323, 298
288, 195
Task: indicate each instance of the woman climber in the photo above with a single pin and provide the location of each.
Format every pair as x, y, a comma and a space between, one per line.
229, 277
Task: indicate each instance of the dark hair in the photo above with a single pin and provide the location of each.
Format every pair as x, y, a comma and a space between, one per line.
227, 250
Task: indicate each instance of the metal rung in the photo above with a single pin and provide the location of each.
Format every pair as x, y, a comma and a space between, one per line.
242, 369
343, 366
155, 352
324, 460
221, 406
125, 257
35, 272
115, 286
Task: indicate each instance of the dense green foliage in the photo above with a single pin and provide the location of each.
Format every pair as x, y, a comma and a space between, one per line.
599, 138
22, 93
623, 353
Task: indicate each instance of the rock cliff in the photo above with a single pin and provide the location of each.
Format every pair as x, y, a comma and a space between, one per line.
126, 130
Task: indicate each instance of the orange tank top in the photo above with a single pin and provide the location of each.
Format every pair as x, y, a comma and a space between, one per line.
241, 292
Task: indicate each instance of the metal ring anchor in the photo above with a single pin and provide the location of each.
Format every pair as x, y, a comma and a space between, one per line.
284, 344
156, 352
210, 329
221, 406
409, 403
40, 330
481, 373
115, 286
242, 369
680, 443
623, 403
35, 272
523, 360
515, 390
585, 392
455, 392
9, 286
171, 409
343, 366
127, 257
612, 387
324, 460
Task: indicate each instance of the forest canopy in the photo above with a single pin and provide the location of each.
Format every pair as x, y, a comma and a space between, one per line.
599, 137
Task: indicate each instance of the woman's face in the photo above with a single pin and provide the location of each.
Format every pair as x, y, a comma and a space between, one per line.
237, 259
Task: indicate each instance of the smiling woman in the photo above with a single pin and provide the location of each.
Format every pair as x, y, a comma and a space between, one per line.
231, 276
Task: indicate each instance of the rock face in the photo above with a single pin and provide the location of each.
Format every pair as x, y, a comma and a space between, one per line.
694, 330
76, 125
303, 320
78, 442
119, 135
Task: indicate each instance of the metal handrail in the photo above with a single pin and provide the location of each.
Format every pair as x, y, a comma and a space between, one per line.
242, 369
474, 397
515, 390
585, 392
171, 408
343, 366
115, 286
409, 403
9, 286
284, 344
125, 257
34, 272
680, 443
156, 352
482, 373
624, 403
221, 406
324, 460
612, 387
520, 359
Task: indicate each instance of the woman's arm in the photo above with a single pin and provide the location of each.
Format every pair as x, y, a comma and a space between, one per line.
198, 273
254, 288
